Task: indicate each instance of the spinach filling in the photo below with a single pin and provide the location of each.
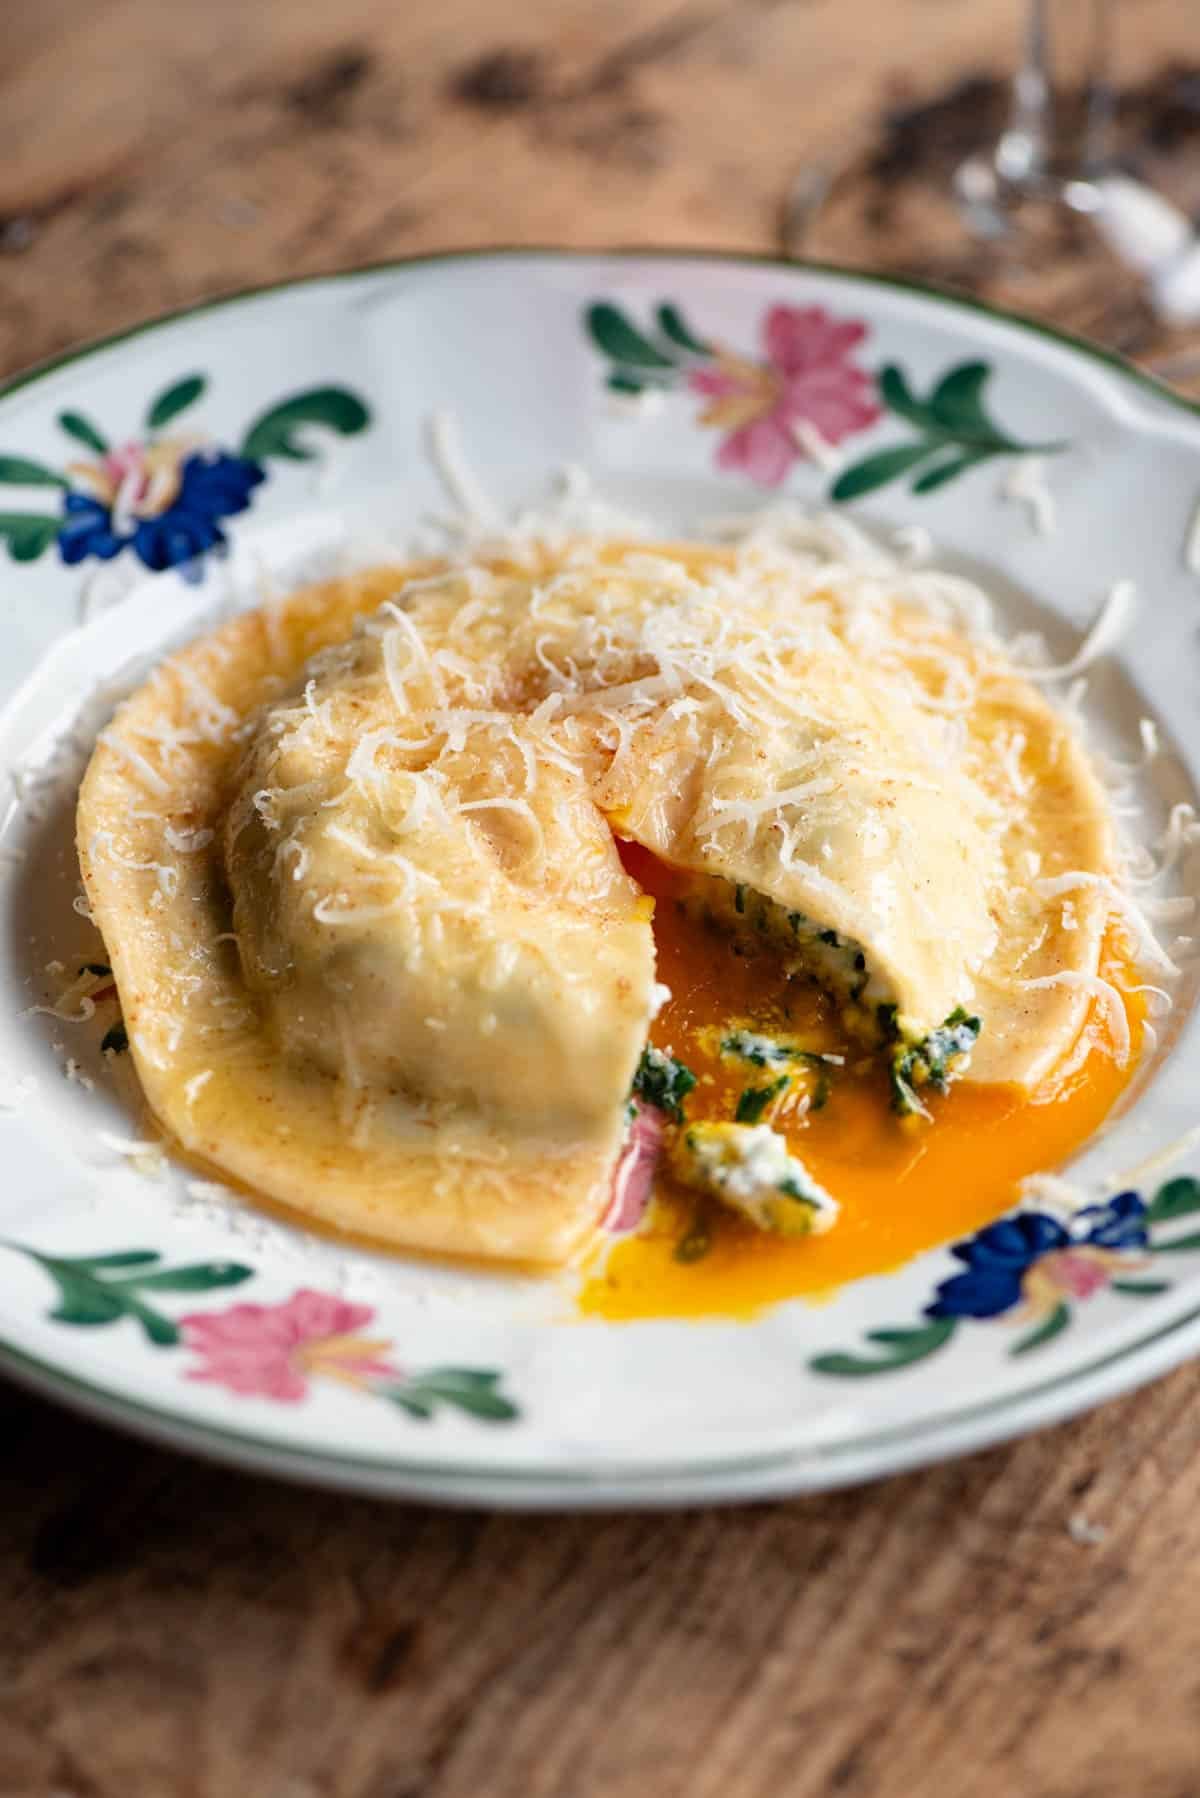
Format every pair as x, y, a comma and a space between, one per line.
755, 1099
807, 948
663, 1082
927, 1063
765, 1052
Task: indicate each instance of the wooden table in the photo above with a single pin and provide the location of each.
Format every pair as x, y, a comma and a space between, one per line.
1022, 1624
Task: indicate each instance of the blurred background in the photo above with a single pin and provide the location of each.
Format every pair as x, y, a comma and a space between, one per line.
174, 1628
151, 154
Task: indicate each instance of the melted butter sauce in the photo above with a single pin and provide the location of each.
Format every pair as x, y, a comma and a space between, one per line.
903, 1187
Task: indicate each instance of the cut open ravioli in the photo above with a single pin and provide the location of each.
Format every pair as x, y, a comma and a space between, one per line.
353, 859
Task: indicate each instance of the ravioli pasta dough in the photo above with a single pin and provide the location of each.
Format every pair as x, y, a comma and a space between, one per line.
355, 860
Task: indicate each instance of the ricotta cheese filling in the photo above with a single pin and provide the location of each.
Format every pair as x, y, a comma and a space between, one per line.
749, 1168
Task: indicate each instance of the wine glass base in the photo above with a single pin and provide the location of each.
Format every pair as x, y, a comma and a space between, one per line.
989, 200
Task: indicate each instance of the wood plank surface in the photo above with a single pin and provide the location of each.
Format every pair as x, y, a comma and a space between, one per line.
1023, 1624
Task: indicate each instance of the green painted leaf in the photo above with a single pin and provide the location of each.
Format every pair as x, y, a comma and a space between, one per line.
202, 1276
670, 323
621, 382
472, 1390
956, 403
1141, 1289
902, 1347
850, 1367
86, 1305
613, 334
412, 1403
83, 430
19, 471
1057, 1321
158, 1329
124, 1258
949, 470
174, 400
488, 1407
274, 433
481, 1378
28, 534
1178, 1246
899, 397
102, 1289
877, 470
1177, 1198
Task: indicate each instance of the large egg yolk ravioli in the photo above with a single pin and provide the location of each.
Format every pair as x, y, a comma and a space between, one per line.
354, 860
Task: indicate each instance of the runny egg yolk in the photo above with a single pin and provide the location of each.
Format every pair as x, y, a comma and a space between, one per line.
902, 1187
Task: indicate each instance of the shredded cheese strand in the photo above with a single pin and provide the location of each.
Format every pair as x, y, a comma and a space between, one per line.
1108, 996
464, 488
1149, 948
136, 761
1102, 635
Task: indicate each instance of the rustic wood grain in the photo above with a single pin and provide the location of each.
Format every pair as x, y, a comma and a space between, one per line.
170, 1630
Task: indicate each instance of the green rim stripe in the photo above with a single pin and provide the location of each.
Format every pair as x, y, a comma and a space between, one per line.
30, 1370
1109, 359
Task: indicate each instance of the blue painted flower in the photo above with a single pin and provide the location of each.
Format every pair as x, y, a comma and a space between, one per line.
1033, 1258
165, 499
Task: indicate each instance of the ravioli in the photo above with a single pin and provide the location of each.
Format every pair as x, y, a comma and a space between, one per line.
872, 771
448, 1075
354, 859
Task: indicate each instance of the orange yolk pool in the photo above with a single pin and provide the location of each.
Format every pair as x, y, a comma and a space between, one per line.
902, 1187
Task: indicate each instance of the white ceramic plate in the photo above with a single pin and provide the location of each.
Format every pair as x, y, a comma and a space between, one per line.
289, 428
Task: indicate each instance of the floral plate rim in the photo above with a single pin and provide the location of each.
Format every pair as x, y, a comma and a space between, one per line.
772, 1474
698, 1478
1110, 359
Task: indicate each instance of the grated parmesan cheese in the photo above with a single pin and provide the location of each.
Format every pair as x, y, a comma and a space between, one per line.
187, 842
1102, 635
141, 767
1051, 1192
520, 807
1149, 950
698, 646
145, 1157
1107, 996
195, 1086
474, 505
1025, 483
816, 446
86, 1012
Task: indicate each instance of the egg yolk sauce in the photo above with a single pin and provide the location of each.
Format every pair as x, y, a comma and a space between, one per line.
903, 1185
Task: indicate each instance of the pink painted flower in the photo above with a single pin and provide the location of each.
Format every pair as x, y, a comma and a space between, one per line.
808, 379
135, 480
634, 1175
272, 1351
1077, 1272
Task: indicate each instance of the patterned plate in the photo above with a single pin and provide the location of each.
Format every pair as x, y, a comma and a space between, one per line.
157, 480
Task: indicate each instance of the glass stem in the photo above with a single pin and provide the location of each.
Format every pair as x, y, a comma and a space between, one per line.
1097, 149
1028, 156
1024, 151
